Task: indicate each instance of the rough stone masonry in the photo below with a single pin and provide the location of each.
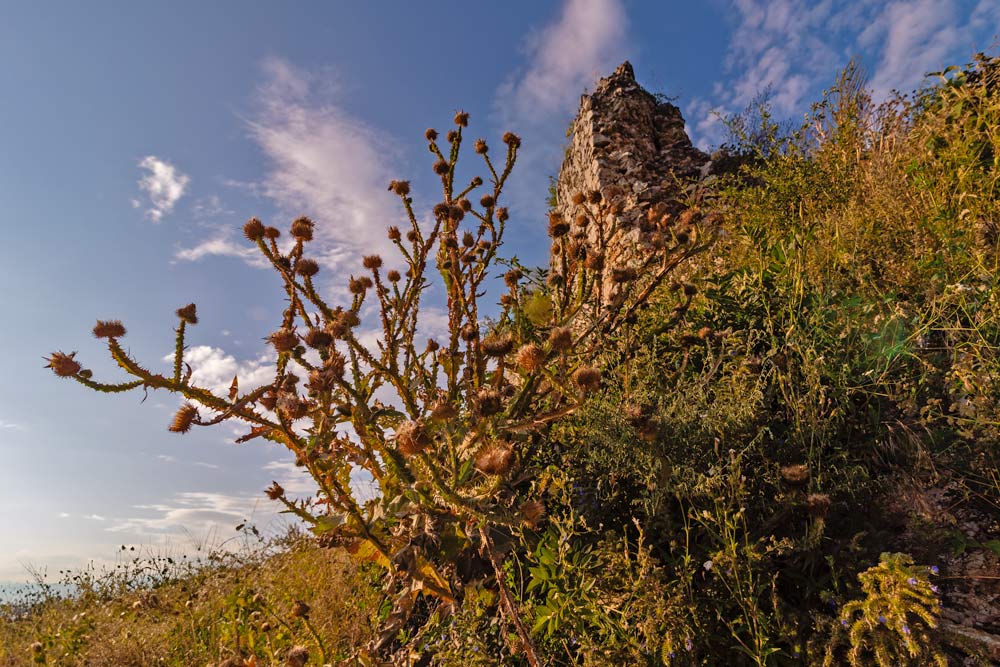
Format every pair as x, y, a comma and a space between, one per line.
632, 147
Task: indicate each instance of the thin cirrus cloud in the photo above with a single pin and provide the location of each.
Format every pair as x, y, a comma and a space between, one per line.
163, 185
794, 48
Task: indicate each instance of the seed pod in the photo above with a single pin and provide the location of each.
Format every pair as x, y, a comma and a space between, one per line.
579, 198
188, 313
394, 234
470, 333
560, 339
64, 365
307, 267
283, 340
488, 402
272, 233
594, 196
109, 329
795, 475
487, 201
557, 226
183, 419
393, 276
253, 229
302, 229
587, 378
430, 134
462, 119
498, 345
274, 491
495, 459
401, 188
441, 167
412, 437
511, 139
530, 357
532, 512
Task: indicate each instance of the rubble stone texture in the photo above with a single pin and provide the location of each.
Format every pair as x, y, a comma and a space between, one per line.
631, 146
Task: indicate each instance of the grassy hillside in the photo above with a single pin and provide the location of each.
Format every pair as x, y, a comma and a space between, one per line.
778, 447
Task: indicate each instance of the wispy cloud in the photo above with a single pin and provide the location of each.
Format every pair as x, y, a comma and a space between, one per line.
222, 244
190, 513
163, 184
566, 57
10, 425
794, 48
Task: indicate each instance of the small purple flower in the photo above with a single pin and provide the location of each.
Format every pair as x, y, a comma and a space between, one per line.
671, 654
934, 569
687, 644
934, 588
906, 629
881, 619
912, 581
843, 622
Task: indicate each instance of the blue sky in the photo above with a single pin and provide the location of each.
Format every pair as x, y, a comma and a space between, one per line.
137, 137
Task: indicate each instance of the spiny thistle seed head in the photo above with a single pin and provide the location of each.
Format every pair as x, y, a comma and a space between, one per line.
283, 340
594, 262
292, 406
511, 139
511, 277
468, 240
307, 267
253, 229
300, 609
488, 402
795, 475
412, 437
302, 229
109, 329
297, 656
443, 410
456, 212
274, 491
441, 210
498, 345
495, 459
560, 339
531, 357
481, 146
350, 319
477, 181
557, 226
183, 419
64, 365
587, 378
555, 279
462, 119
532, 512
502, 214
465, 204
582, 220
818, 505
579, 198
355, 286
487, 201
188, 313
401, 188
452, 136
272, 233
318, 338
595, 196
430, 134
393, 276
432, 345
411, 236
335, 364
470, 332
394, 234
371, 262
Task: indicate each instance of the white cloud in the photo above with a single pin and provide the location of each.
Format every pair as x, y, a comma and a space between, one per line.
213, 368
326, 164
163, 184
222, 245
568, 56
190, 513
10, 425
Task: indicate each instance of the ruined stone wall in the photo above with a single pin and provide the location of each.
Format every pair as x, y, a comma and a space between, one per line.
630, 146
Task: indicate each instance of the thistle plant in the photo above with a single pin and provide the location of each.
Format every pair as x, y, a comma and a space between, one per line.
445, 427
892, 625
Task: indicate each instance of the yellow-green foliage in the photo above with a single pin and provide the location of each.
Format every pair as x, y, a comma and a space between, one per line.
235, 607
889, 626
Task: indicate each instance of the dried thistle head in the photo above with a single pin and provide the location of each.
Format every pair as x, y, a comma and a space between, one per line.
188, 313
495, 459
183, 419
109, 329
371, 262
481, 147
465, 204
594, 196
300, 610
292, 406
502, 214
283, 340
462, 119
412, 437
302, 229
307, 267
272, 233
401, 188
64, 365
818, 505
470, 332
560, 339
443, 410
558, 227
532, 512
274, 491
297, 656
594, 262
393, 276
430, 134
511, 139
511, 278
498, 345
531, 357
796, 474
582, 220
587, 378
393, 233
487, 201
579, 198
318, 338
452, 136
253, 229
488, 402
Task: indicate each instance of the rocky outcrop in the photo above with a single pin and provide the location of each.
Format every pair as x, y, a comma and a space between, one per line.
630, 146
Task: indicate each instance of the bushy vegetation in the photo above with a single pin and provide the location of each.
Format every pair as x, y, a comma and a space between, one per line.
711, 465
